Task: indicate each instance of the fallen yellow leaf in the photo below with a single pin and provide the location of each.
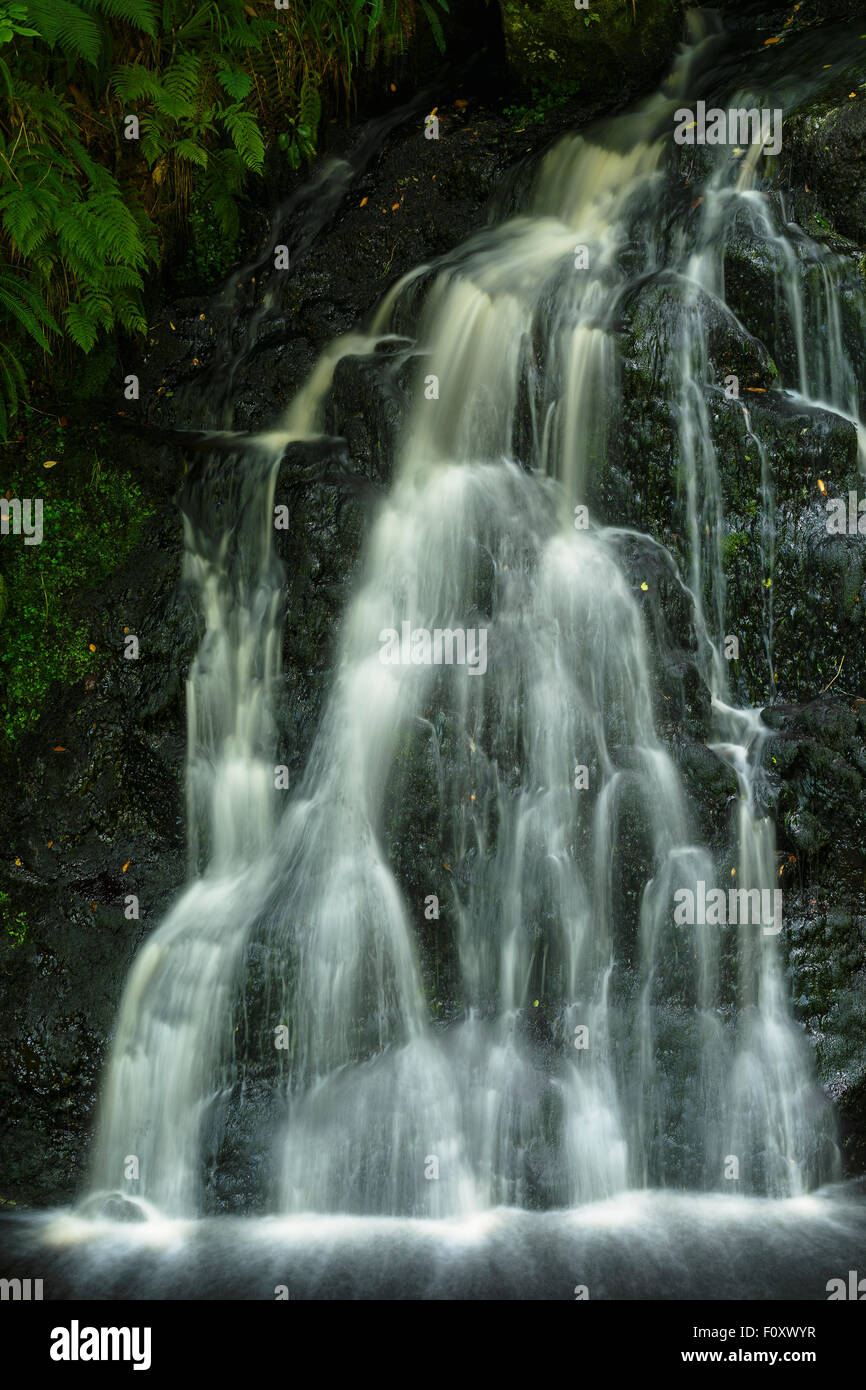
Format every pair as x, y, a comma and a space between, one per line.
50, 463
126, 866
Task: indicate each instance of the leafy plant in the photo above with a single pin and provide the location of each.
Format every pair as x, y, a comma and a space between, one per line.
542, 103
14, 924
90, 522
85, 210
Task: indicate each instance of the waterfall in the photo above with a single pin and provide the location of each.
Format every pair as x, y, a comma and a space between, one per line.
598, 1047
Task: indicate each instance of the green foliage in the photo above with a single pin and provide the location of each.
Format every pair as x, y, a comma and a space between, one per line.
434, 22
733, 545
25, 310
213, 221
86, 212
15, 924
89, 526
13, 20
298, 140
542, 103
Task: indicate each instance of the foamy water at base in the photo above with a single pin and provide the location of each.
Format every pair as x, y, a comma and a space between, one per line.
638, 1245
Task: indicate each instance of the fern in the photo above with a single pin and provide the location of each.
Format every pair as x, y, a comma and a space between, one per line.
183, 80
198, 26
170, 96
81, 327
12, 387
214, 84
25, 306
226, 174
244, 130
235, 83
434, 22
189, 150
310, 106
26, 310
140, 14
64, 24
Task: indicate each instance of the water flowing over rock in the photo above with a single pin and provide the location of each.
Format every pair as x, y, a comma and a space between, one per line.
427, 964
560, 1082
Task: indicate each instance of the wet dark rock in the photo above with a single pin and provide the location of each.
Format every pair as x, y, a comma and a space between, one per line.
825, 156
817, 755
761, 15
605, 45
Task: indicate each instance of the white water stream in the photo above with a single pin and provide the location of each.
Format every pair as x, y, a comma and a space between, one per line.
380, 1111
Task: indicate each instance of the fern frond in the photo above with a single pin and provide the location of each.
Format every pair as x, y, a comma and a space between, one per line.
121, 277
129, 314
183, 79
135, 82
114, 229
26, 308
80, 327
243, 128
237, 84
189, 150
64, 24
20, 214
435, 23
12, 386
199, 24
310, 107
141, 14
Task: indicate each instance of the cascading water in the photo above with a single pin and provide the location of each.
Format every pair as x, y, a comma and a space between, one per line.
564, 830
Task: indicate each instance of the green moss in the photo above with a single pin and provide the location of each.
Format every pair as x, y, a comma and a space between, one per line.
732, 546
14, 924
615, 44
543, 101
92, 517
211, 253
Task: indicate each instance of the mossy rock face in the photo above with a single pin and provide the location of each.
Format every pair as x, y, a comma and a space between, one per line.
826, 148
817, 756
606, 47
